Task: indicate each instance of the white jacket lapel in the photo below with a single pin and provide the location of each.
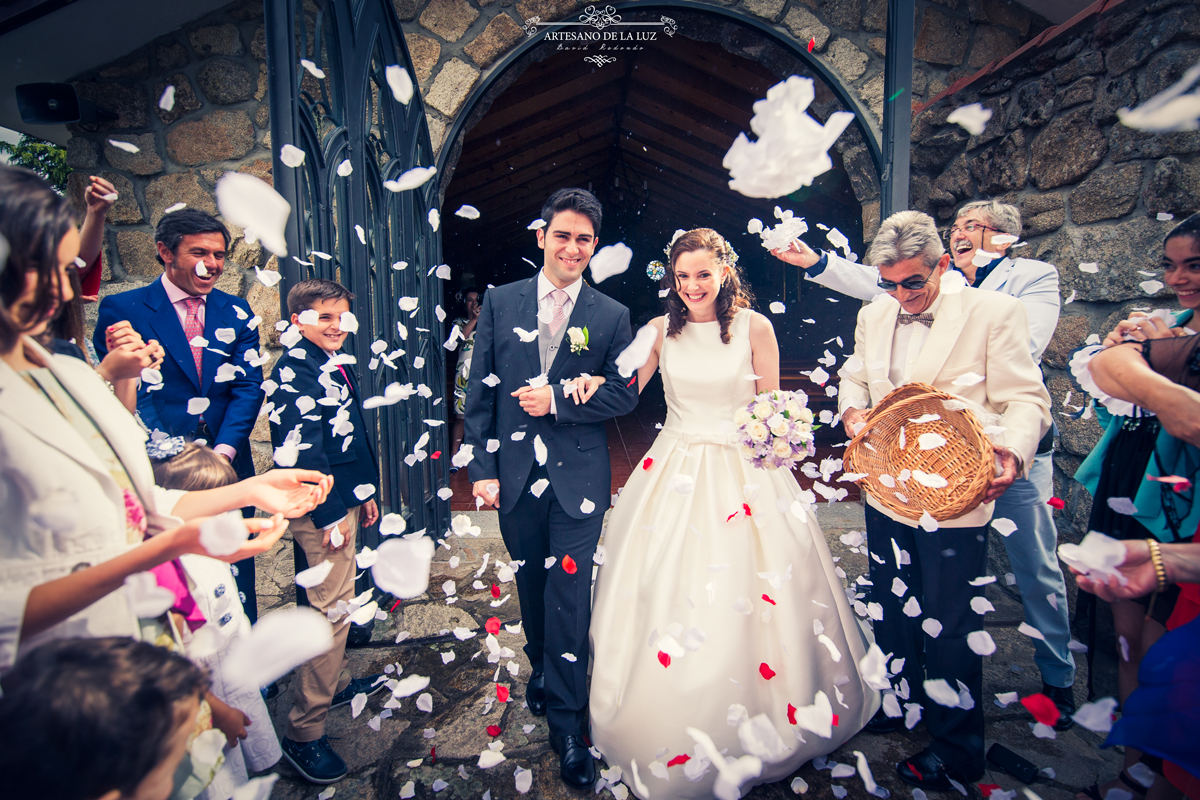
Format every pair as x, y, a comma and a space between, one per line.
998, 276
880, 357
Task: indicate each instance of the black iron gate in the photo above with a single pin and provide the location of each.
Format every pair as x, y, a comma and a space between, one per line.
356, 136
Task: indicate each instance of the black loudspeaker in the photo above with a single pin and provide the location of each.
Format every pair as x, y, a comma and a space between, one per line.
57, 104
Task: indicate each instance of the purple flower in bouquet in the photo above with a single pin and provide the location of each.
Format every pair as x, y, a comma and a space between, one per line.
775, 430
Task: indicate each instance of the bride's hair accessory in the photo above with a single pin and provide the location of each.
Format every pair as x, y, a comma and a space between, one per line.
656, 270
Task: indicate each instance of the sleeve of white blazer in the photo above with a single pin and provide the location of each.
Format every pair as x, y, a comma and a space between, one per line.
1014, 382
860, 281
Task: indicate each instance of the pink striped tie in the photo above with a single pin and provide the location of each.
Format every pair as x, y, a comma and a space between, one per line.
559, 298
192, 328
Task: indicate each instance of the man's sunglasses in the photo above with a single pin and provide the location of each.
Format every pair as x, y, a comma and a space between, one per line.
912, 284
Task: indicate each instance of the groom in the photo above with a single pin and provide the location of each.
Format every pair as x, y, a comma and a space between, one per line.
552, 505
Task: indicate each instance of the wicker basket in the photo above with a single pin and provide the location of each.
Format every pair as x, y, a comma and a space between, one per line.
965, 461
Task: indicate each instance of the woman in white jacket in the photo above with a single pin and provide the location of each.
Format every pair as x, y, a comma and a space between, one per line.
77, 496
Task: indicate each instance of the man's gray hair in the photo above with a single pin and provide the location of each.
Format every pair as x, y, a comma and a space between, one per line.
995, 214
904, 235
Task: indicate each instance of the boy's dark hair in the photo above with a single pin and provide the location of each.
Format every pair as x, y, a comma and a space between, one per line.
1189, 228
185, 222
305, 294
33, 220
197, 468
81, 717
581, 201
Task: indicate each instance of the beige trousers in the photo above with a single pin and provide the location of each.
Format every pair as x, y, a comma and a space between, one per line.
317, 681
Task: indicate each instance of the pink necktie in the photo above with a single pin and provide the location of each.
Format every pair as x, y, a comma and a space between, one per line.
559, 298
192, 328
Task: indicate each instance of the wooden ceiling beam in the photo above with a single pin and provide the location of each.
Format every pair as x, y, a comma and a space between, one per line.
542, 101
567, 146
532, 131
684, 117
599, 146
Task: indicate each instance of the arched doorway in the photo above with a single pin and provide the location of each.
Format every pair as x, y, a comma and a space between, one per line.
647, 133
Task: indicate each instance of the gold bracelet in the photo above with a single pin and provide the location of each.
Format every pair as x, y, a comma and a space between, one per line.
1156, 560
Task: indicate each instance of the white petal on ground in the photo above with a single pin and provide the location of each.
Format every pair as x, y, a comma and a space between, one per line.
425, 703
400, 82
611, 260
791, 149
411, 179
973, 118
403, 566
410, 685
313, 69
126, 146
314, 576
490, 758
635, 356
167, 101
291, 156
256, 788
467, 212
279, 642
981, 643
523, 780
1089, 267
246, 201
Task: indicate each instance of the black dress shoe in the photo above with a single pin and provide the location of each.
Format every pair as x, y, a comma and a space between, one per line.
535, 694
578, 768
928, 771
882, 723
1064, 701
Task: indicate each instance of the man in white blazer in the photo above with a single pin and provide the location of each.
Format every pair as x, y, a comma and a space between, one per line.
973, 344
981, 242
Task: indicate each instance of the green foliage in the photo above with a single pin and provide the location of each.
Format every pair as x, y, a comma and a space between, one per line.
45, 158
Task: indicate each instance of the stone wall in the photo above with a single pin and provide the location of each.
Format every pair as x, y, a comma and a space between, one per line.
1091, 190
220, 119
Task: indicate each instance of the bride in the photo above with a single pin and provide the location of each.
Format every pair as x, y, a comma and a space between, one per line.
717, 583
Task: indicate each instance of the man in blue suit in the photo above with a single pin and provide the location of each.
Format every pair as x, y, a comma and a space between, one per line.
551, 502
210, 388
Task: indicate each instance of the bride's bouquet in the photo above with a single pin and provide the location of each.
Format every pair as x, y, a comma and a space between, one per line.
775, 430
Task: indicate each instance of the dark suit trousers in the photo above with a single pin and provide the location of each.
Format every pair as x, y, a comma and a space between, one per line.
943, 564
556, 607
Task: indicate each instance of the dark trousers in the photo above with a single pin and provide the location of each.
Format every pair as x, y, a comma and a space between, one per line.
556, 607
942, 565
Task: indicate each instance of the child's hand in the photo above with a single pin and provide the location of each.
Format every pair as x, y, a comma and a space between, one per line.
291, 492
370, 513
228, 720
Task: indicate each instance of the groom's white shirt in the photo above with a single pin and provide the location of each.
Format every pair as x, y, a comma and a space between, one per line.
546, 307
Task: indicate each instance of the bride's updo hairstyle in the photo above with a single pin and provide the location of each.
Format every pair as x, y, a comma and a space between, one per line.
734, 294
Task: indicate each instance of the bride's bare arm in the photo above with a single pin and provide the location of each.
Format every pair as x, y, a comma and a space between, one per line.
650, 367
764, 350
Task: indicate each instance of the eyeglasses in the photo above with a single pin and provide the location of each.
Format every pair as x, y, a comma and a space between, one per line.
912, 284
970, 227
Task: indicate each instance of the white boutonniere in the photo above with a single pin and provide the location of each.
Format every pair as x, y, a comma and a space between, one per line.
579, 339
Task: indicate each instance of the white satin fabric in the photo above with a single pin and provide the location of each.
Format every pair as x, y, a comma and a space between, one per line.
677, 564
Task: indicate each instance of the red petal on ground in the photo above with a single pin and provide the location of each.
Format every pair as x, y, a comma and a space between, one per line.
1056, 503
1042, 708
768, 599
746, 508
502, 693
986, 789
492, 626
664, 658
811, 44
568, 565
433, 754
683, 759
493, 730
495, 592
647, 463
835, 720
766, 671
436, 454
791, 713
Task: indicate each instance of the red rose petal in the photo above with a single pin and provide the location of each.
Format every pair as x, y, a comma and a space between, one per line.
766, 671
632, 381
495, 592
568, 565
502, 693
731, 516
493, 730
1042, 708
811, 44
492, 626
664, 658
433, 753
1056, 503
768, 599
683, 759
436, 454
791, 713
986, 789
835, 720
746, 508
647, 463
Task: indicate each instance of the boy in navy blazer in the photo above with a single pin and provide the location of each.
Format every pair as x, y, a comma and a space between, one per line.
211, 382
317, 422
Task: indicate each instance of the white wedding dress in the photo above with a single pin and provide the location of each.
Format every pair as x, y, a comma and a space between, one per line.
695, 597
